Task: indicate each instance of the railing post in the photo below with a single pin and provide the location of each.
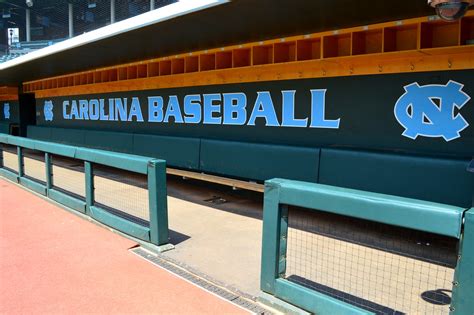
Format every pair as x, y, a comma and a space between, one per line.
89, 177
283, 210
271, 237
158, 204
463, 284
21, 169
1, 155
49, 173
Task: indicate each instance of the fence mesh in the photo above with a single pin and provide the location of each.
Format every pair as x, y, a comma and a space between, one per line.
122, 192
10, 157
68, 176
380, 268
34, 166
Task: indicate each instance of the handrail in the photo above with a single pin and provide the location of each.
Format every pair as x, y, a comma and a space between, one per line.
157, 233
408, 213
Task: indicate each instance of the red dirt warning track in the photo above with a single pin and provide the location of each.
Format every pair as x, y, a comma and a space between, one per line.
54, 262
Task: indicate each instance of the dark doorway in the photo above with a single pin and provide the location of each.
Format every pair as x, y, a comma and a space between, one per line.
27, 113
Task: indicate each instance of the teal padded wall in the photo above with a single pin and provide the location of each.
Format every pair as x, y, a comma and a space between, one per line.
68, 136
440, 180
433, 179
177, 151
107, 140
259, 161
39, 133
4, 127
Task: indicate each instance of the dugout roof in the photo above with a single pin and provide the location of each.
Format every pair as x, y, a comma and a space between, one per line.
234, 22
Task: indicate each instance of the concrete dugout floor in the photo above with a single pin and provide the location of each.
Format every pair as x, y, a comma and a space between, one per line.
222, 241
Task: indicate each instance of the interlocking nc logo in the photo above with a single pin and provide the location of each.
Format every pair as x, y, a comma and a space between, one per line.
419, 113
6, 110
48, 110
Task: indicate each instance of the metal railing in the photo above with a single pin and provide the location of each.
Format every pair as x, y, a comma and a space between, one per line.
331, 250
126, 192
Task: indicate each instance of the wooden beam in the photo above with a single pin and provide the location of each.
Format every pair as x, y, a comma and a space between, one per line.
217, 180
9, 97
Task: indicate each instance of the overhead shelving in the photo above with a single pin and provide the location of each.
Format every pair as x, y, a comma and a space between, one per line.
415, 35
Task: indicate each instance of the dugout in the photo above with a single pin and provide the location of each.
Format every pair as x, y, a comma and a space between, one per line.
352, 94
323, 97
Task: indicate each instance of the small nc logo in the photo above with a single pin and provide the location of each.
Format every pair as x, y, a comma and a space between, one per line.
48, 110
417, 111
6, 110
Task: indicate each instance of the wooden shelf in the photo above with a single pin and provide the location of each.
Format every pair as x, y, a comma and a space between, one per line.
207, 62
242, 57
467, 31
191, 64
177, 66
153, 69
284, 52
97, 78
122, 73
426, 34
104, 77
142, 71
367, 42
400, 38
337, 45
165, 67
223, 59
308, 49
131, 72
439, 34
262, 55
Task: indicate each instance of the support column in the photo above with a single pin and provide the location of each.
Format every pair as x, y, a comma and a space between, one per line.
112, 11
28, 25
152, 5
463, 284
71, 20
89, 177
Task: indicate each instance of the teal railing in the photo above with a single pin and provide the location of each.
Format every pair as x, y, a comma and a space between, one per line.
439, 219
156, 233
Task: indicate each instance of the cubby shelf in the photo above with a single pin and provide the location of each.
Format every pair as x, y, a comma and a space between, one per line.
367, 42
419, 34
